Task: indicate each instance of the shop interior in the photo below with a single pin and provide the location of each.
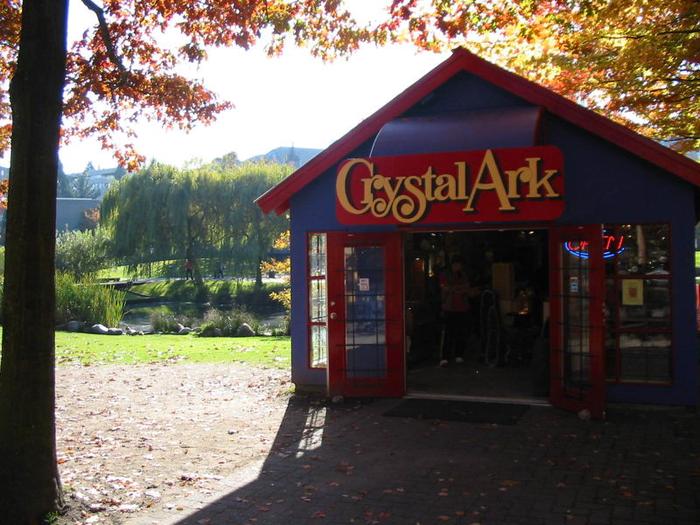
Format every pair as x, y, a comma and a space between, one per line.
503, 345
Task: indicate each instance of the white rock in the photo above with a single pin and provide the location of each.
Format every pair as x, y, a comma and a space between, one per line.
245, 330
99, 329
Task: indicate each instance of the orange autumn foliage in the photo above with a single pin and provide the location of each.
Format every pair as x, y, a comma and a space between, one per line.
636, 61
4, 188
128, 70
281, 267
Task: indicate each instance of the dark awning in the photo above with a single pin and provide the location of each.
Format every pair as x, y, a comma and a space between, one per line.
475, 130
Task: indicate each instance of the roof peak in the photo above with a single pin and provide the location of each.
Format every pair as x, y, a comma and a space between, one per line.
463, 60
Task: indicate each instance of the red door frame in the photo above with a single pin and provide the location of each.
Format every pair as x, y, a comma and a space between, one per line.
393, 384
562, 395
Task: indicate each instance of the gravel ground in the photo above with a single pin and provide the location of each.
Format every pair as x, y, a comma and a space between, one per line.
138, 439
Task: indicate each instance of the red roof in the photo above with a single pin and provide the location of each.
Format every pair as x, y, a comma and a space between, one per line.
277, 198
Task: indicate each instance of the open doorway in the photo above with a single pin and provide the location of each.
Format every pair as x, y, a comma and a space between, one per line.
499, 347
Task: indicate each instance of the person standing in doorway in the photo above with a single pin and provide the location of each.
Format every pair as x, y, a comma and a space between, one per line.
455, 290
188, 269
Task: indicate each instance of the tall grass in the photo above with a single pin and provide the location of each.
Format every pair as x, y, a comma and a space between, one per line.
167, 322
218, 323
89, 303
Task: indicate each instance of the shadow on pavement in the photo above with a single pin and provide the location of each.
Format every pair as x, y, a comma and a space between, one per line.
347, 463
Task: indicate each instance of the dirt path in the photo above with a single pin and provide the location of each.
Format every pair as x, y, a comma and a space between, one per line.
133, 439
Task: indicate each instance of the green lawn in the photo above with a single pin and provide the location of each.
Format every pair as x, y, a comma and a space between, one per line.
89, 349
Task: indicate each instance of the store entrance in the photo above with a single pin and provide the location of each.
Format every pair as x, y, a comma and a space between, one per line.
477, 309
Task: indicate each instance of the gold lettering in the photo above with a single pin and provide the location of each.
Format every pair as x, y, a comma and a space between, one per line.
446, 188
461, 180
428, 177
367, 191
536, 182
392, 190
341, 186
408, 198
549, 190
380, 207
407, 209
489, 166
513, 175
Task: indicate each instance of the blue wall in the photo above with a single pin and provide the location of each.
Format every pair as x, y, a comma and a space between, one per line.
603, 184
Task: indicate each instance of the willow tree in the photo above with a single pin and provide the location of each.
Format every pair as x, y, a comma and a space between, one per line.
261, 231
166, 213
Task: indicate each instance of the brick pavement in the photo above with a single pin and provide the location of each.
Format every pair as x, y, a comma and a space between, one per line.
350, 464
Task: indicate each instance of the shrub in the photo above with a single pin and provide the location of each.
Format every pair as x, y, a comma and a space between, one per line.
82, 253
258, 299
164, 321
217, 322
88, 303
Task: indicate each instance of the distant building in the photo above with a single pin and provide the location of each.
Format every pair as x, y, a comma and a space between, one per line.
70, 212
99, 179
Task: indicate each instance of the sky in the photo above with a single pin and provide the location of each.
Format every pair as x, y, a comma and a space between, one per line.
290, 100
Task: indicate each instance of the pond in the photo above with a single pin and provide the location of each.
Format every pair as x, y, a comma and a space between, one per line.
138, 316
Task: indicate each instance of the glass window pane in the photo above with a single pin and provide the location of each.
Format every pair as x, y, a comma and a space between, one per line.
645, 357
575, 299
317, 255
317, 300
645, 250
645, 303
319, 346
365, 307
638, 304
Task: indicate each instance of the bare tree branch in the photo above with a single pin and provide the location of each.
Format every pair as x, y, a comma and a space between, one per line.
106, 37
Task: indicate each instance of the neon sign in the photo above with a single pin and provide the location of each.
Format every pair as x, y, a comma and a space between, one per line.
612, 246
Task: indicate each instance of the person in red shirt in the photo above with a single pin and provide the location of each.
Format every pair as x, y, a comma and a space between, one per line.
455, 291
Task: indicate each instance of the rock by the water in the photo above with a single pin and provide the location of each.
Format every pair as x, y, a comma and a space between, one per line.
115, 331
245, 330
73, 326
211, 331
99, 329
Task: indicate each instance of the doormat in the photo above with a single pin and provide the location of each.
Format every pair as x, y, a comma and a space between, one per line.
466, 411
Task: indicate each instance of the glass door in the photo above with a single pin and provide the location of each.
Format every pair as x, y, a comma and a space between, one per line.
577, 367
365, 320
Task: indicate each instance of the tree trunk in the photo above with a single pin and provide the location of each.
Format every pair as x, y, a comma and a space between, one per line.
29, 478
258, 274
